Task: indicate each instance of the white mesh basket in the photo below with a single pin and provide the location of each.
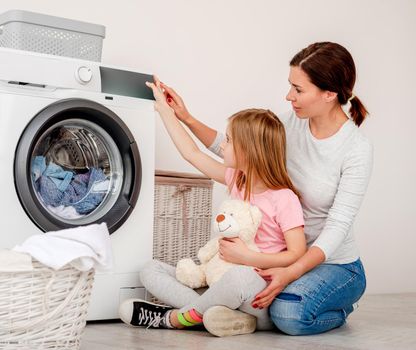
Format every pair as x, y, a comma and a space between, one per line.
43, 308
23, 30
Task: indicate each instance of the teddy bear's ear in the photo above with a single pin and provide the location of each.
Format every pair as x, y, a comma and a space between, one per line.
255, 214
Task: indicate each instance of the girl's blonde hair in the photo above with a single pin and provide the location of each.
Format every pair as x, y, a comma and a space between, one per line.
259, 142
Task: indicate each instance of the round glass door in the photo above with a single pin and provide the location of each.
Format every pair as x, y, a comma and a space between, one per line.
77, 163
76, 171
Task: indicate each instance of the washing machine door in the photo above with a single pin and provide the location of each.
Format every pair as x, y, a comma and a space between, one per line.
77, 163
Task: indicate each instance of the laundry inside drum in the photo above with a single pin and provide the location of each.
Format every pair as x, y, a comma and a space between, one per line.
76, 171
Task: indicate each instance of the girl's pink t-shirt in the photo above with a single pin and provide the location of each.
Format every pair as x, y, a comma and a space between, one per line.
281, 211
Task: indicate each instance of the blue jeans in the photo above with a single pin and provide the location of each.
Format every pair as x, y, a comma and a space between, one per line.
320, 300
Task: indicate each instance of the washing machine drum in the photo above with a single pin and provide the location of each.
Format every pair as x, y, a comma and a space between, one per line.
76, 147
77, 163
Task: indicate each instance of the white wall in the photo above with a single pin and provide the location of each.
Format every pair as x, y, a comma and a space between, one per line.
223, 56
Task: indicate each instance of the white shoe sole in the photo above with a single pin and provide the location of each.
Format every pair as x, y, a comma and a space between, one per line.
222, 322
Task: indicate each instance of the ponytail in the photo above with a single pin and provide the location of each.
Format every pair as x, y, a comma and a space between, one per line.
357, 111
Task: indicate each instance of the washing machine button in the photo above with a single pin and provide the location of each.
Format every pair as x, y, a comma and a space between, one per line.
83, 75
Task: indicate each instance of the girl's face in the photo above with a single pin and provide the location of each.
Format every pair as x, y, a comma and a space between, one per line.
307, 99
228, 151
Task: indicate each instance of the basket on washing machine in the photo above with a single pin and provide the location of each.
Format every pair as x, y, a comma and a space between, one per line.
44, 308
30, 31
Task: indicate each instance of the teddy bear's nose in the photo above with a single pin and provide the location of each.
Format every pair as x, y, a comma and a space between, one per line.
220, 218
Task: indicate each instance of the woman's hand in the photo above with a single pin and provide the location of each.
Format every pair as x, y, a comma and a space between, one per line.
161, 104
176, 103
278, 278
233, 250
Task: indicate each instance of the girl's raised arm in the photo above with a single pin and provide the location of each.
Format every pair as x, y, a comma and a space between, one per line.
203, 132
183, 141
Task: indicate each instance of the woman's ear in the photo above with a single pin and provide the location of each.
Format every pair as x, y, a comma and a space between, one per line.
330, 96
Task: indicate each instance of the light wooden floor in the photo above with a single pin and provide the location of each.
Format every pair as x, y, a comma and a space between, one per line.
382, 322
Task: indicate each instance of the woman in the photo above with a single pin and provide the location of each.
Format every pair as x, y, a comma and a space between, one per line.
329, 162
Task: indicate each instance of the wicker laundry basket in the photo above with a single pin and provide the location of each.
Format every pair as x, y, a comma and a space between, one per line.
182, 217
43, 308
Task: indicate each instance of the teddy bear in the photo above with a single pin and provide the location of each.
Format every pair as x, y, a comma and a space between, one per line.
236, 218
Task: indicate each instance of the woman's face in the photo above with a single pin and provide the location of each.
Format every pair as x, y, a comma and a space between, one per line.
228, 151
307, 99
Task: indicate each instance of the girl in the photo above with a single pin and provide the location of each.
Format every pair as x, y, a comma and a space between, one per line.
254, 169
330, 163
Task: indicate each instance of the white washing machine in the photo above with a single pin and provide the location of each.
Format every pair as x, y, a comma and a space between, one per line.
77, 147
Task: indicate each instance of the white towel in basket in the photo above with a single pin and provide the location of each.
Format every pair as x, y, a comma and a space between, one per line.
11, 261
84, 247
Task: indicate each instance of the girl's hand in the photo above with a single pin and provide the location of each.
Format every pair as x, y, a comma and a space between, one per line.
161, 104
176, 103
278, 278
233, 250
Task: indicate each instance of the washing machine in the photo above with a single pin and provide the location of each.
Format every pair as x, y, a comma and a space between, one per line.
77, 143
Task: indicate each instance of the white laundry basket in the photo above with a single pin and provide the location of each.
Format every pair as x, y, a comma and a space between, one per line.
43, 308
29, 31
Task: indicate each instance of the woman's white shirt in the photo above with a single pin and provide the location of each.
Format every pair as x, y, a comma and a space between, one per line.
332, 176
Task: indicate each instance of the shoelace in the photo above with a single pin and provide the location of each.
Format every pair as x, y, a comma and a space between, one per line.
156, 321
154, 318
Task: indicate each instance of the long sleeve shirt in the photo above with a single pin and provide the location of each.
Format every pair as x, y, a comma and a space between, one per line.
332, 176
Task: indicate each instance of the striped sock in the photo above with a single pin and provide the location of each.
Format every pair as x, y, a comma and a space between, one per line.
167, 320
189, 318
195, 316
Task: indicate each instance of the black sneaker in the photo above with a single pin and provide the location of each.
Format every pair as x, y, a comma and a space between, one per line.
137, 312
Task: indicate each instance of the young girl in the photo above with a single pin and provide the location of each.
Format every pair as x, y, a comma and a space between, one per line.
254, 169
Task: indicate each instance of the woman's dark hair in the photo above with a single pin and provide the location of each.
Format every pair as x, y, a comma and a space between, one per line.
330, 67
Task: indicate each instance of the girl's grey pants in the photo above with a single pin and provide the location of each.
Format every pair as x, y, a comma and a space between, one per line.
236, 290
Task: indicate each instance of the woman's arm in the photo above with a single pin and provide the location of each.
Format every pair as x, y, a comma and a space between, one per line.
351, 189
203, 132
235, 251
355, 176
280, 277
183, 141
